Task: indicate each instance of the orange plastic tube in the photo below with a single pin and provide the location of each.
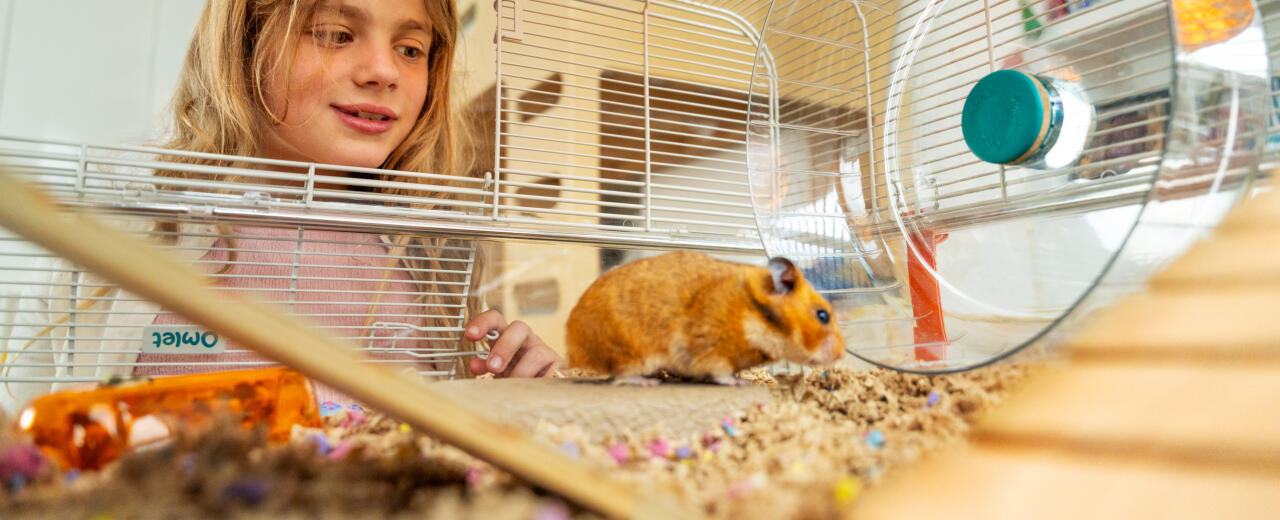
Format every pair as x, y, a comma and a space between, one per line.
89, 428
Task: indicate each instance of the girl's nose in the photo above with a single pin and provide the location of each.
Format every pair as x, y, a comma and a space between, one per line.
376, 67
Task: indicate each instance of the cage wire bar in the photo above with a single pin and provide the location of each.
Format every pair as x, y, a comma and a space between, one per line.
644, 124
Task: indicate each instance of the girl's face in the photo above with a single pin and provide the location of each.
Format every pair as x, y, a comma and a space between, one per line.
358, 82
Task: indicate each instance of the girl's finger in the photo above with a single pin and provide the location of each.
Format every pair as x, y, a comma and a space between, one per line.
478, 367
504, 350
484, 323
514, 362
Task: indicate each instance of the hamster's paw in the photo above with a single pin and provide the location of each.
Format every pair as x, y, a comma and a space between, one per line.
640, 381
730, 381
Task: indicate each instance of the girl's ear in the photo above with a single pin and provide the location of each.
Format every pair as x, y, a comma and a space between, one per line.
784, 273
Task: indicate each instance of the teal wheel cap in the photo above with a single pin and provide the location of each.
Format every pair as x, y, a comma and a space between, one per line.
1006, 116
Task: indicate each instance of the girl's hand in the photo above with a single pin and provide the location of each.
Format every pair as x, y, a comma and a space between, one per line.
517, 352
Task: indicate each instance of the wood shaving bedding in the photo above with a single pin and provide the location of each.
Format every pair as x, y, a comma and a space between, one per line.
826, 437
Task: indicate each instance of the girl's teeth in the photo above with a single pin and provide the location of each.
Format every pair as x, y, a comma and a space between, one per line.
372, 116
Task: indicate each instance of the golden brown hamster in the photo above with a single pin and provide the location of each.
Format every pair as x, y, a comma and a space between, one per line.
695, 316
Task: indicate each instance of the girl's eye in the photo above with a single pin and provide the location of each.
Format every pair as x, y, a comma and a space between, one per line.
411, 52
823, 316
332, 36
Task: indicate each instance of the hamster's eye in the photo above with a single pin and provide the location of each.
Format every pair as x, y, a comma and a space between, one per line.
823, 316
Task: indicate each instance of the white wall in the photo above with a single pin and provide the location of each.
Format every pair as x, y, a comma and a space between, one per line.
93, 71
86, 71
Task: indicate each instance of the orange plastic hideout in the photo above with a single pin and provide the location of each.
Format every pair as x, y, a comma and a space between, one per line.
89, 428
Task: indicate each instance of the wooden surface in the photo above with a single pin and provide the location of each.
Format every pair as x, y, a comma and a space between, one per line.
1169, 408
160, 278
1215, 323
1177, 411
995, 483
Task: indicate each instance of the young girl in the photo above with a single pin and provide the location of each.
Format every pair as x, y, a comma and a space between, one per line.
361, 83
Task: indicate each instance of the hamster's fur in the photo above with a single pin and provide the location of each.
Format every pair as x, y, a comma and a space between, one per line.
695, 316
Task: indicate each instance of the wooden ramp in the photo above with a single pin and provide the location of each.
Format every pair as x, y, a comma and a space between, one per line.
1170, 407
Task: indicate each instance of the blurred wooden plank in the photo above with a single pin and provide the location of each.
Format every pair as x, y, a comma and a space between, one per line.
993, 483
1248, 258
1217, 414
1262, 211
1211, 324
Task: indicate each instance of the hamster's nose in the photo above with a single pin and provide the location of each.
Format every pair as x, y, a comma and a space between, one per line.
836, 346
831, 350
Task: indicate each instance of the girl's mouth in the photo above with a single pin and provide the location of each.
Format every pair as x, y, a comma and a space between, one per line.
366, 119
370, 116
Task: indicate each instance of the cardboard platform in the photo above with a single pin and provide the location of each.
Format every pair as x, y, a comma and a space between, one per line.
600, 409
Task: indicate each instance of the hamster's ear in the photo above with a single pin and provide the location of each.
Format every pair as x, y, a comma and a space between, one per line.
785, 275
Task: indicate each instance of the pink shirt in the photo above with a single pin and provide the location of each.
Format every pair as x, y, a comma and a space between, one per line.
338, 274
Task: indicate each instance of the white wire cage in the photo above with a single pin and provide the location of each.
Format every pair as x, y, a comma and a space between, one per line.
937, 260
827, 132
856, 166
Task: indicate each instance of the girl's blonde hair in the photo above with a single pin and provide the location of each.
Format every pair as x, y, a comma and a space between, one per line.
220, 108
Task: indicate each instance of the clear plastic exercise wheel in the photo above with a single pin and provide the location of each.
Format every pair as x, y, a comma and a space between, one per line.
960, 178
